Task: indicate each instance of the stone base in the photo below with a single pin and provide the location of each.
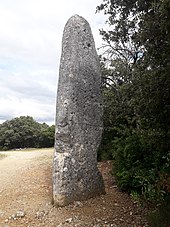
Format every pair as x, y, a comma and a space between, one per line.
75, 180
64, 198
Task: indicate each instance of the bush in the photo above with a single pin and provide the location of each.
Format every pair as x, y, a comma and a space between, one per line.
140, 167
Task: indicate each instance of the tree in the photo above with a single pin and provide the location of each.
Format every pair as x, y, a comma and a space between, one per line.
24, 132
47, 137
137, 53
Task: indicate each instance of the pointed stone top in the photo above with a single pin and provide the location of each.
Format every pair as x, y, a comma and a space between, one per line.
77, 19
76, 16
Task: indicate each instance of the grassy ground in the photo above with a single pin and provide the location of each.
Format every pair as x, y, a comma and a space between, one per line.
2, 156
30, 149
36, 149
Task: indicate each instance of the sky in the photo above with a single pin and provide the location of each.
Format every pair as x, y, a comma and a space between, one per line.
30, 49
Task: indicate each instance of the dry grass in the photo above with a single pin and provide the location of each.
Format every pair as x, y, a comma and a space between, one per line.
2, 156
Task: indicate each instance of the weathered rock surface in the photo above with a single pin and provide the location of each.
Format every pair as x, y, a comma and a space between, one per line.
78, 117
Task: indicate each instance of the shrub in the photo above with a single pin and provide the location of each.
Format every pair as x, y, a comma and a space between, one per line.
140, 167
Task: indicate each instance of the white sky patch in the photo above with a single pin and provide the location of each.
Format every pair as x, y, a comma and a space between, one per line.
30, 49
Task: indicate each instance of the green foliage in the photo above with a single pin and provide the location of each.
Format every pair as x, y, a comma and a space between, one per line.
136, 88
24, 132
139, 165
47, 137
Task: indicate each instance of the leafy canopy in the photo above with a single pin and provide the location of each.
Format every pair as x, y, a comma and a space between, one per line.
136, 87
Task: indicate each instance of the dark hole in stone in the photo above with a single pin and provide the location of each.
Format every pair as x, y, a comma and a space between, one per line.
88, 44
74, 98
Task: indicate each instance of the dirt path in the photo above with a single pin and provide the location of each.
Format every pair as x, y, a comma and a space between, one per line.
26, 192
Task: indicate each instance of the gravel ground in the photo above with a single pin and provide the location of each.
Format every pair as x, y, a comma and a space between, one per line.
26, 195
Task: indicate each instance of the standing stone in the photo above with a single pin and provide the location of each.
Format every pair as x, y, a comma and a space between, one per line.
78, 117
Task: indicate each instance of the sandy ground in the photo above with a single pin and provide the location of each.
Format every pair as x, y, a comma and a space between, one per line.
26, 195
